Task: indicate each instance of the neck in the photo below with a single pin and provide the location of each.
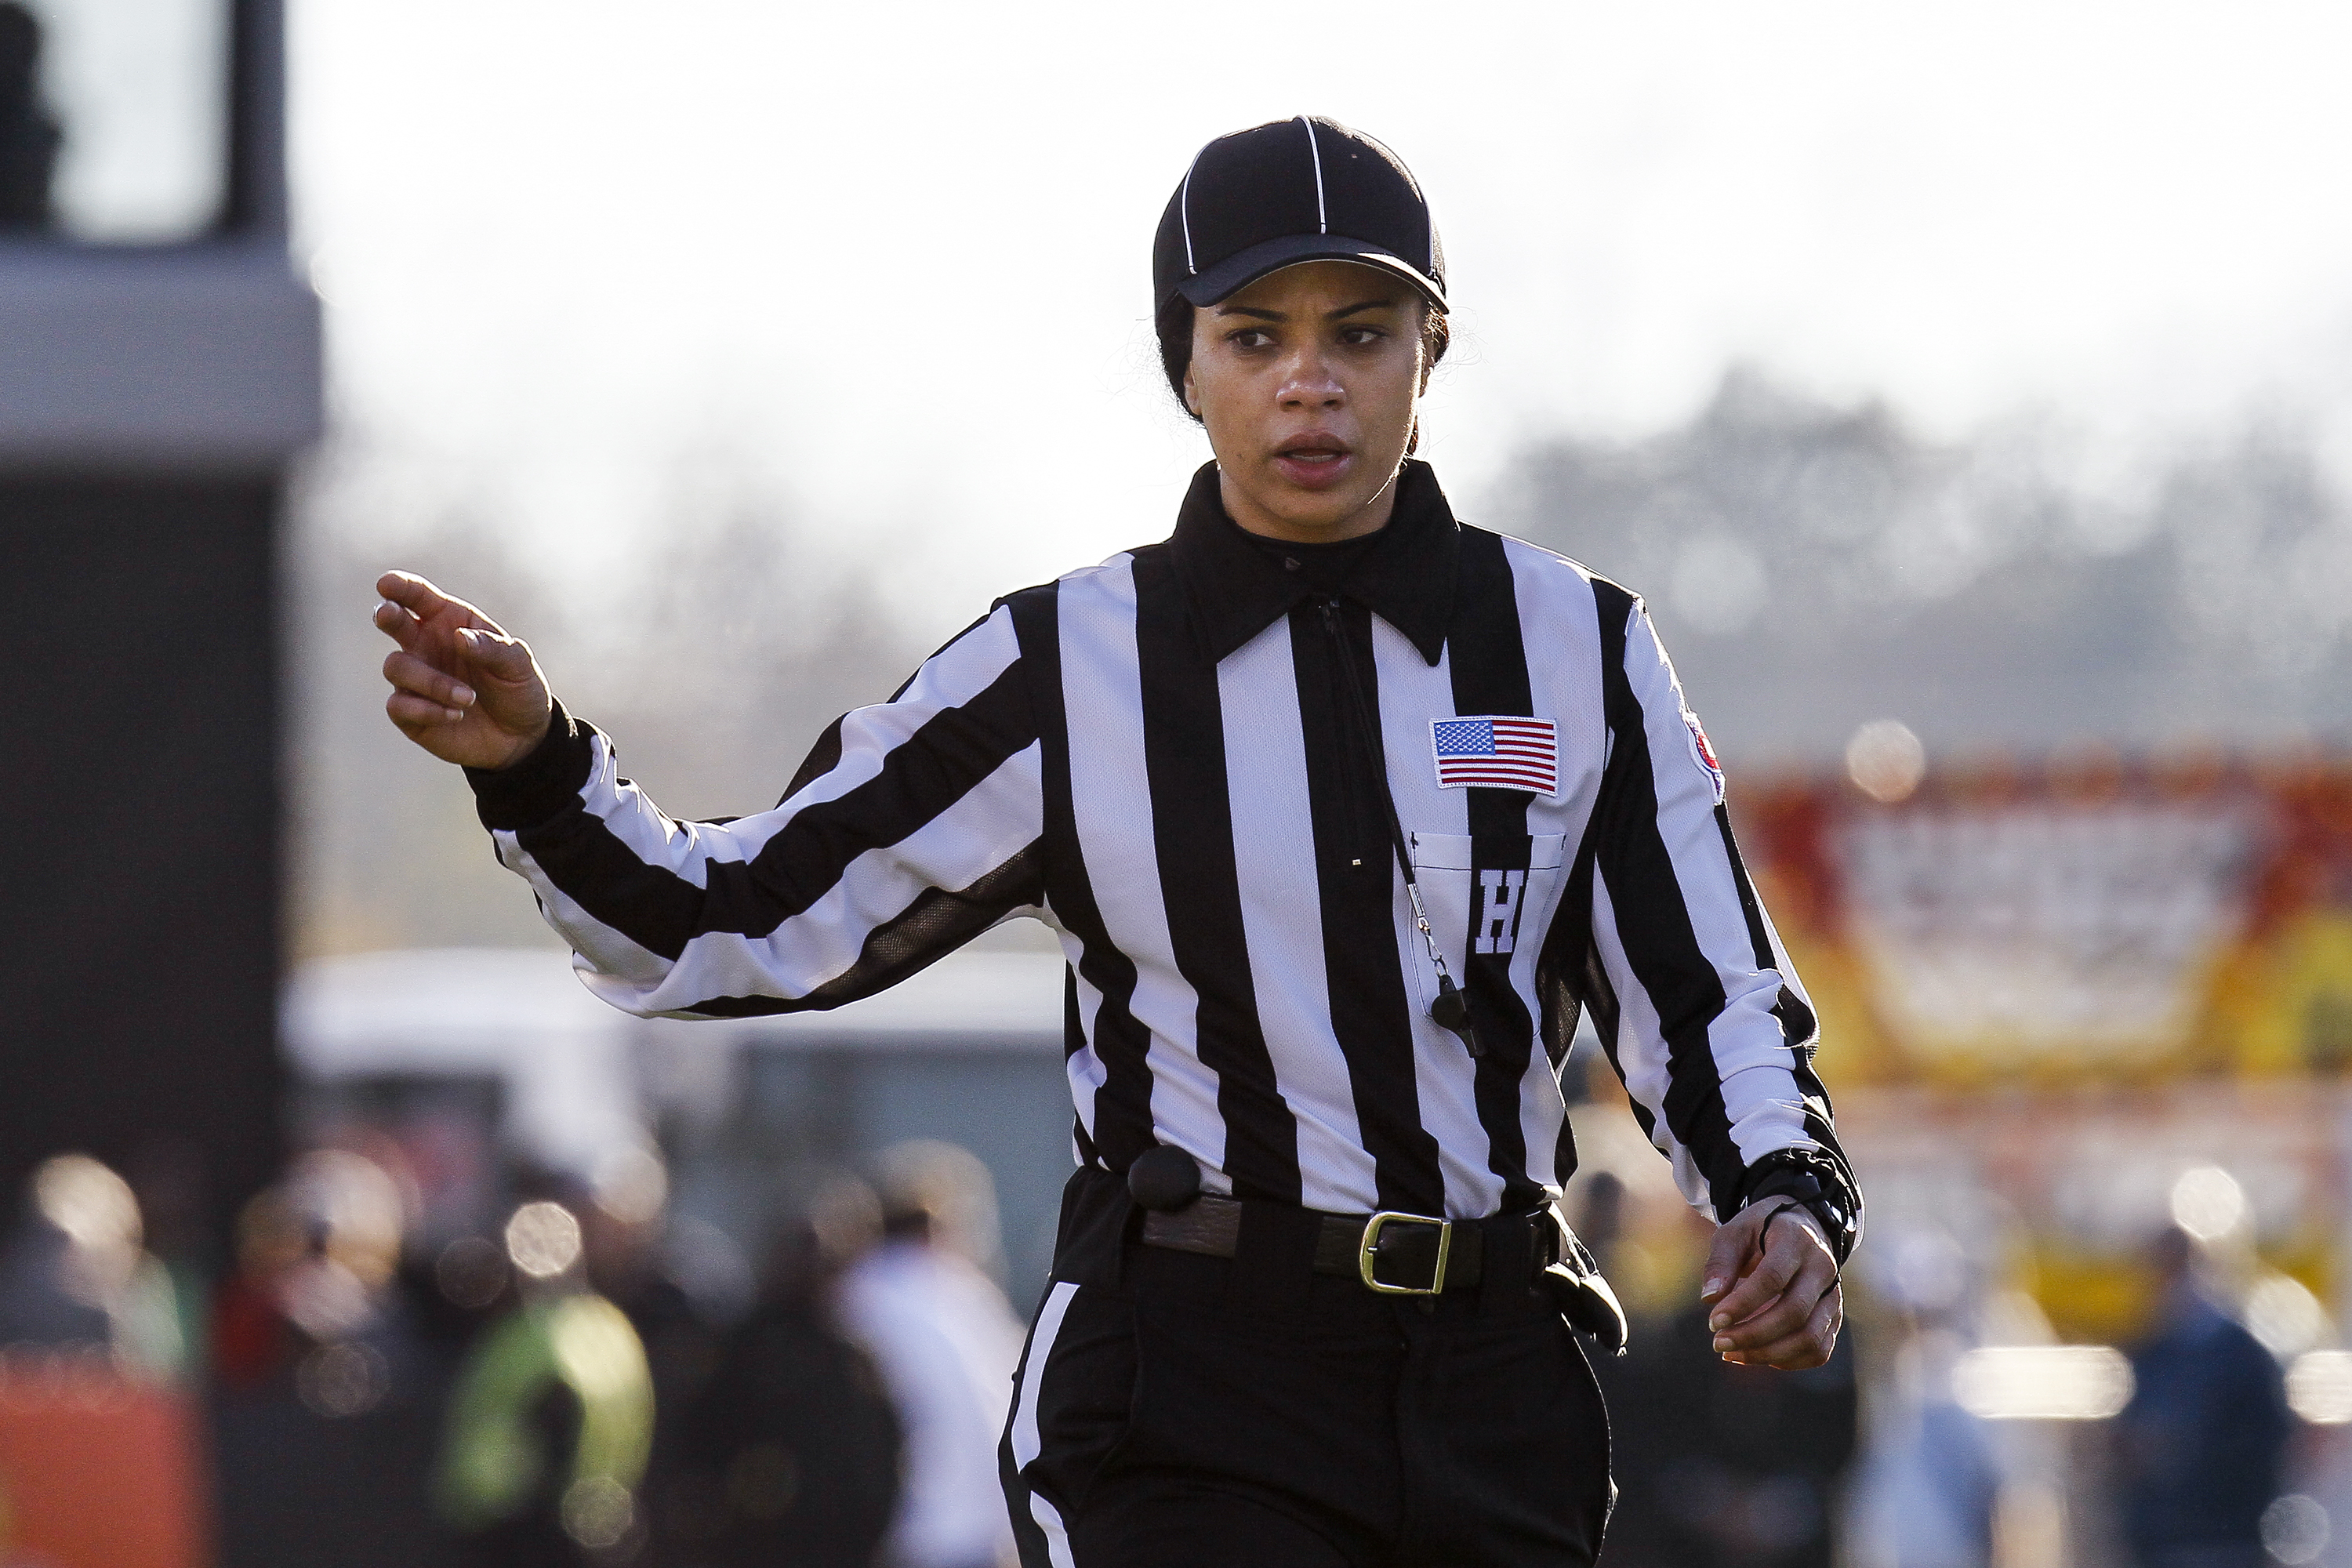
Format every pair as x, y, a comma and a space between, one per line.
1369, 518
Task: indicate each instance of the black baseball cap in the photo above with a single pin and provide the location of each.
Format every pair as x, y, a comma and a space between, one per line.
1307, 189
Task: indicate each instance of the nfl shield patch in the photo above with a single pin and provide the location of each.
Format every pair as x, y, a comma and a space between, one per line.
1496, 751
1705, 752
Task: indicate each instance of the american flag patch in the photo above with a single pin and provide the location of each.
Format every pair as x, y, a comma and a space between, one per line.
1496, 751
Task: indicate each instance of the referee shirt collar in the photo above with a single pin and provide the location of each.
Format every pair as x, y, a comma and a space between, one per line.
1237, 589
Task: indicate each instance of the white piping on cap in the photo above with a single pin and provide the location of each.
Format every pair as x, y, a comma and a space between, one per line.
1315, 151
1184, 213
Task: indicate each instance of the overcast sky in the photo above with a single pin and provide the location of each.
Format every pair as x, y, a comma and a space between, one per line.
899, 254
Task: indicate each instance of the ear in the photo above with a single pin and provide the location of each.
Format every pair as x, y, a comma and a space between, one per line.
1191, 393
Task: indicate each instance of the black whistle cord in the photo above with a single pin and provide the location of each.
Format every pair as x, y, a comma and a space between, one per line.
1451, 1011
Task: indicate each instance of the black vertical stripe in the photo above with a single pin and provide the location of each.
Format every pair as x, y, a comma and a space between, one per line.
1654, 922
1030, 1548
1122, 1127
1355, 876
824, 756
1489, 660
1074, 1040
1200, 885
1799, 1029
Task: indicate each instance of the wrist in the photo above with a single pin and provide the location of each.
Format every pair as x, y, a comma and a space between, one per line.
1789, 1211
541, 783
528, 743
1816, 1183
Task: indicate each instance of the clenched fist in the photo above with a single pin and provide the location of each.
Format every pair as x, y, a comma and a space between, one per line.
1772, 1285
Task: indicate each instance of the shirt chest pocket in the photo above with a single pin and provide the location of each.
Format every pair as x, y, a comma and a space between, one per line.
1486, 894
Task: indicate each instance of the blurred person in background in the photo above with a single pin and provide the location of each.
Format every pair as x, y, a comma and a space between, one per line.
551, 1424
326, 1397
793, 1451
947, 1342
1313, 1055
168, 1176
1929, 1481
98, 1453
28, 136
310, 1304
2199, 1450
76, 1274
681, 1284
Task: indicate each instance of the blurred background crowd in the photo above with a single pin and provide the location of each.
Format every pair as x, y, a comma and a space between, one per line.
419, 1353
1968, 391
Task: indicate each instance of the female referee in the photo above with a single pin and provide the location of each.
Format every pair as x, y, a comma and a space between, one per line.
1343, 811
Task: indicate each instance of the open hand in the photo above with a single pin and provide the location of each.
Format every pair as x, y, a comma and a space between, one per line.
461, 688
1772, 1283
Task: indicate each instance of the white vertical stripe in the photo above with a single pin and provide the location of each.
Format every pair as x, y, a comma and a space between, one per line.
1760, 1097
1641, 1047
1559, 627
1282, 918
1026, 1445
1411, 692
1560, 630
1541, 1109
1110, 799
1087, 1073
1057, 1537
1315, 151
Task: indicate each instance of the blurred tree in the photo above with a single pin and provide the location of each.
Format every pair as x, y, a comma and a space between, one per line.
714, 645
1815, 567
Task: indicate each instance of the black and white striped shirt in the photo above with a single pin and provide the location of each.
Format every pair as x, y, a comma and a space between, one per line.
1156, 757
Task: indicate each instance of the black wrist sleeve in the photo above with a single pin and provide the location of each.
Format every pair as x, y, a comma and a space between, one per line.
1818, 1181
541, 783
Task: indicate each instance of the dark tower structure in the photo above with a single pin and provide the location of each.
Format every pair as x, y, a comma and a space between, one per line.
157, 374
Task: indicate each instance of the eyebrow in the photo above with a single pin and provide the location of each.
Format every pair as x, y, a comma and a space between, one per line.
1385, 303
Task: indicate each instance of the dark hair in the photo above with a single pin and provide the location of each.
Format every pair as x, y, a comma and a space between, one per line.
1174, 325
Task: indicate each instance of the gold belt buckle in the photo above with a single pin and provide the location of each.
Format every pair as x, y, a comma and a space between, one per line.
1368, 1252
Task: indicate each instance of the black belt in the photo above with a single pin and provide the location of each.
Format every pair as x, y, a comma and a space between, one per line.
1395, 1254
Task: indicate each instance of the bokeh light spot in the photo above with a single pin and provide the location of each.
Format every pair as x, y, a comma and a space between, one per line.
543, 1239
1885, 761
2208, 1203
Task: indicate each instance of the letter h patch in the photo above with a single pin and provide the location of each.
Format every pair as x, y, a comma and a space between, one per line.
1496, 926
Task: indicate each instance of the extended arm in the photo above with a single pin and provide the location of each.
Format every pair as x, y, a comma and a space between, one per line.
913, 826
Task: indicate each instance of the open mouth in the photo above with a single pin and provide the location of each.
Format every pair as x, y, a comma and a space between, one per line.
1312, 459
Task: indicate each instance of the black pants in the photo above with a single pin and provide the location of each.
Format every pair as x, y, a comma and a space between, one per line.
1190, 1412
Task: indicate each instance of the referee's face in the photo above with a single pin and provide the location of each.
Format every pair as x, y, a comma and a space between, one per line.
1307, 381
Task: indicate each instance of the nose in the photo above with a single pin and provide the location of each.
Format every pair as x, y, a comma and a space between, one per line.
1310, 381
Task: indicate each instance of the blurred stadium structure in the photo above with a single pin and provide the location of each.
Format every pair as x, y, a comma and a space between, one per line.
163, 368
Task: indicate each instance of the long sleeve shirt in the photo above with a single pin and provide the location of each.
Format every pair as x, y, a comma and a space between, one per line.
1162, 758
